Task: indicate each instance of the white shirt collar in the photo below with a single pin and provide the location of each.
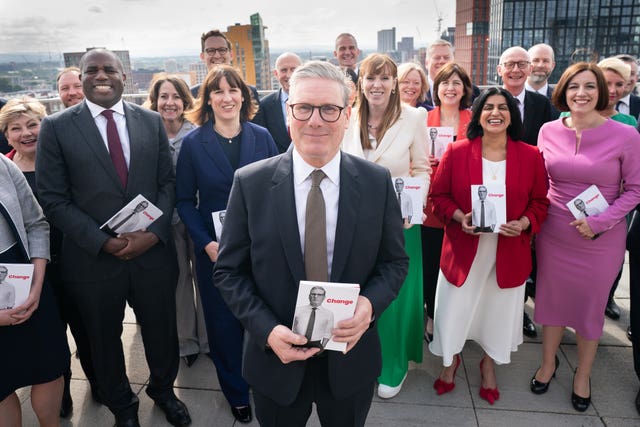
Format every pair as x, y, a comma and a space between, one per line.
541, 91
302, 169
626, 100
96, 109
520, 96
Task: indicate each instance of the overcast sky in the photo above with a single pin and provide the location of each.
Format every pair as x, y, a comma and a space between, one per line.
173, 27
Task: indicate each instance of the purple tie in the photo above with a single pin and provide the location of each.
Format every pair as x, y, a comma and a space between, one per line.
115, 148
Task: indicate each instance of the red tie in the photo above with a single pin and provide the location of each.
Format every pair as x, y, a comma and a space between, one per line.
115, 148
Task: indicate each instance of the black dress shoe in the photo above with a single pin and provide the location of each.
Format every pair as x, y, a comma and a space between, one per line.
538, 387
612, 311
629, 333
528, 327
175, 411
242, 413
638, 402
579, 403
190, 359
127, 421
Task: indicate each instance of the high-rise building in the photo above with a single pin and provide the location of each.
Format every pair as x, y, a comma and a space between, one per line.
576, 29
197, 72
251, 52
72, 59
471, 38
387, 40
405, 47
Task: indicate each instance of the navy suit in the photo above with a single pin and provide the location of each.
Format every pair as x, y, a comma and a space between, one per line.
537, 111
634, 106
203, 182
271, 117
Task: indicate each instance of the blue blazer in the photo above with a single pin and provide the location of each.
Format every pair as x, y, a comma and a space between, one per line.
204, 176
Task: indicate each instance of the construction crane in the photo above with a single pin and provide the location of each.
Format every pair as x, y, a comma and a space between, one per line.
439, 14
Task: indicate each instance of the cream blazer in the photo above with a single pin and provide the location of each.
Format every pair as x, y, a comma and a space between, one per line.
403, 149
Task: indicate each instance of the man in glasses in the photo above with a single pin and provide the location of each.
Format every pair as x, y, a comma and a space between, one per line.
535, 110
312, 213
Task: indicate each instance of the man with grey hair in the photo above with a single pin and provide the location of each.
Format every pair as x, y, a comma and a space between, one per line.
338, 221
347, 53
273, 111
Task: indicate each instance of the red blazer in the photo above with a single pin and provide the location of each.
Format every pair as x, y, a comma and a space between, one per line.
526, 185
433, 119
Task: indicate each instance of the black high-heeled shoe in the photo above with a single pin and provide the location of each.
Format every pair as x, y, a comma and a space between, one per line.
538, 387
580, 403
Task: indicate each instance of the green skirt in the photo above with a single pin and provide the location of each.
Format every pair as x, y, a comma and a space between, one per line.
401, 325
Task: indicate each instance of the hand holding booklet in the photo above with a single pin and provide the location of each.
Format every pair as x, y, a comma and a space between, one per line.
589, 202
136, 215
319, 307
15, 284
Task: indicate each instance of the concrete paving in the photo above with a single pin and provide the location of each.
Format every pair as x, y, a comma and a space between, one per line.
614, 387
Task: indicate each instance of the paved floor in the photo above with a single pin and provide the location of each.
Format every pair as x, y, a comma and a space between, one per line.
614, 388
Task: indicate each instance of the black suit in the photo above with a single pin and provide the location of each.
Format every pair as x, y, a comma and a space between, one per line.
260, 265
80, 190
633, 246
634, 106
270, 116
554, 111
537, 111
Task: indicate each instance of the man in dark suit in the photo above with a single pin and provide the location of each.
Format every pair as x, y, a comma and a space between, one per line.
318, 214
273, 113
92, 159
535, 110
633, 246
542, 65
347, 53
216, 49
630, 102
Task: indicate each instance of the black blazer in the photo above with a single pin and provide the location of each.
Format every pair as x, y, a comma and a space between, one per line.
79, 189
537, 111
270, 116
260, 265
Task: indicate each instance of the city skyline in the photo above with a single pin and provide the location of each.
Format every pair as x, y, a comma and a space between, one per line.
154, 28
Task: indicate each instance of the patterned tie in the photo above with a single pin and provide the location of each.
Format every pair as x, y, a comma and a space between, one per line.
315, 240
115, 148
312, 321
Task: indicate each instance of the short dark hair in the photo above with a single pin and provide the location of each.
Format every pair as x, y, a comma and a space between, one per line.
559, 98
202, 111
213, 33
515, 129
445, 72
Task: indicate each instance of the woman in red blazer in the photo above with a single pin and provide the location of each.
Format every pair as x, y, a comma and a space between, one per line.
480, 292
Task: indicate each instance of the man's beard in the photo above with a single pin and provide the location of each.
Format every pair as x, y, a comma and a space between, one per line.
538, 78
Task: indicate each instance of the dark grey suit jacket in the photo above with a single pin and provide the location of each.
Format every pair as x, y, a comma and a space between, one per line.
270, 116
537, 111
80, 190
260, 265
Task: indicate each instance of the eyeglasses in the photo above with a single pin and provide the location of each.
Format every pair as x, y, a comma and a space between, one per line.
521, 65
212, 51
328, 112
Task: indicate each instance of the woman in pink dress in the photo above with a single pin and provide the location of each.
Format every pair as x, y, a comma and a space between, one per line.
578, 259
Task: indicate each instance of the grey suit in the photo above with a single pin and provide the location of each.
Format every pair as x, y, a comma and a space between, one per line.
80, 190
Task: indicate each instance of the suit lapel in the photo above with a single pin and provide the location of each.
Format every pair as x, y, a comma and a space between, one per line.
348, 203
86, 125
513, 170
387, 140
475, 162
247, 145
283, 196
136, 141
212, 148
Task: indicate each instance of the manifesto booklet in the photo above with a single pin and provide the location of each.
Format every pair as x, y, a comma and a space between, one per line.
319, 307
488, 207
439, 138
218, 222
589, 202
15, 284
137, 215
410, 193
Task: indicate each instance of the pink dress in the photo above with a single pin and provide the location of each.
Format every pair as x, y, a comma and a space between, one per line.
574, 274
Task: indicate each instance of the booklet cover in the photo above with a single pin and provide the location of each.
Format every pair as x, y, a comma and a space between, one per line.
589, 202
488, 207
137, 215
15, 284
410, 193
319, 307
218, 222
439, 138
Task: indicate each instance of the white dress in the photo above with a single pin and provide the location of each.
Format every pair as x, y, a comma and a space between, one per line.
479, 310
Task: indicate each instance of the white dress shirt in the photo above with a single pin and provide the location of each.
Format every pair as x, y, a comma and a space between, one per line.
542, 91
330, 187
520, 98
623, 104
121, 124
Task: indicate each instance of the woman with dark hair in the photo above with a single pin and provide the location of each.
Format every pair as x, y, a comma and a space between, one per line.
169, 95
225, 141
581, 150
393, 135
480, 294
452, 91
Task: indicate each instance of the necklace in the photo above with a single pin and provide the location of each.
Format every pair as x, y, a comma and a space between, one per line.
370, 126
228, 138
494, 170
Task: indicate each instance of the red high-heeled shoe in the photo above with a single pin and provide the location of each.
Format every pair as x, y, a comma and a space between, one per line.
488, 394
442, 387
